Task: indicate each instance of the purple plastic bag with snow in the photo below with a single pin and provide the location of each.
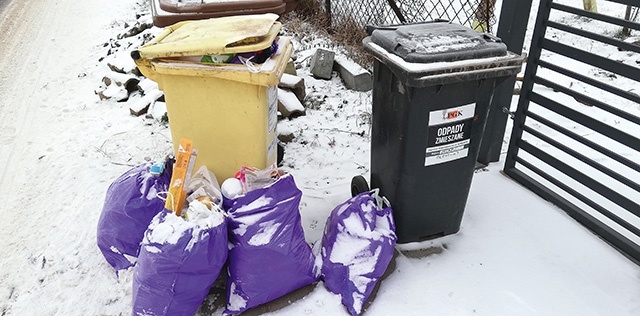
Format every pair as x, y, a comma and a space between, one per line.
268, 255
129, 206
357, 245
178, 264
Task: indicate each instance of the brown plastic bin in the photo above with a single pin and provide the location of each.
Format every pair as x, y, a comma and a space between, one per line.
290, 5
206, 6
162, 18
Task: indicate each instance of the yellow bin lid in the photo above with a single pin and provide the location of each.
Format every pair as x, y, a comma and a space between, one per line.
226, 35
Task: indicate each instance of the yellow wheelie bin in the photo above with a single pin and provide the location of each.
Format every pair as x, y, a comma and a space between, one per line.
229, 111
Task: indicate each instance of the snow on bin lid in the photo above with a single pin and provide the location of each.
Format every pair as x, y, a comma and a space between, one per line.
233, 34
437, 42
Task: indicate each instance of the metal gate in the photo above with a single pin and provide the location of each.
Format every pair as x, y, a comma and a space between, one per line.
575, 139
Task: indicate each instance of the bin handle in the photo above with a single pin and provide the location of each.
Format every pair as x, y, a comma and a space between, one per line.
146, 68
381, 201
491, 37
370, 28
137, 54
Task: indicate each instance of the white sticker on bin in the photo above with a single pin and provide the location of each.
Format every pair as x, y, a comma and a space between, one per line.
271, 148
449, 134
272, 101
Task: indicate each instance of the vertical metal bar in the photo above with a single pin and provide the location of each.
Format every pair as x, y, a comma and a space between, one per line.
627, 16
396, 10
489, 12
527, 85
514, 18
327, 8
483, 13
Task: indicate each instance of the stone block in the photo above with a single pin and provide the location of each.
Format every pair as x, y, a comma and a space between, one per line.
289, 105
321, 63
295, 84
290, 68
353, 75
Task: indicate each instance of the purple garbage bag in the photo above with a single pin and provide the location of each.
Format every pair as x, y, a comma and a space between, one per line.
129, 206
179, 261
268, 255
357, 245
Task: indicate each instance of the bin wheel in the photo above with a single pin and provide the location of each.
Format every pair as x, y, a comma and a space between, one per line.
358, 185
280, 155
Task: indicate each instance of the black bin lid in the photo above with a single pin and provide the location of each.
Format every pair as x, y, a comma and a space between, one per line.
437, 42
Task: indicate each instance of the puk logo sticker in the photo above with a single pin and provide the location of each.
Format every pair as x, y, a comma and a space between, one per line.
450, 115
449, 134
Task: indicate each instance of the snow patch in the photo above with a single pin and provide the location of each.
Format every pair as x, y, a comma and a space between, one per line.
236, 302
255, 204
264, 235
438, 43
148, 189
347, 248
358, 300
290, 101
436, 66
152, 249
198, 218
115, 250
350, 65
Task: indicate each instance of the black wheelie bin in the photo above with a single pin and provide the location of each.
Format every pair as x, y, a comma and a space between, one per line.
433, 84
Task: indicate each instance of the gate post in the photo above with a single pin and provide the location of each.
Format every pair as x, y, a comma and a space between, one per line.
327, 8
514, 17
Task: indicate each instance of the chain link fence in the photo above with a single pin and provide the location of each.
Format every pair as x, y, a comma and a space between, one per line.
346, 20
477, 14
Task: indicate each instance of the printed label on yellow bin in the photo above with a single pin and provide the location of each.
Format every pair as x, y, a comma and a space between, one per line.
449, 134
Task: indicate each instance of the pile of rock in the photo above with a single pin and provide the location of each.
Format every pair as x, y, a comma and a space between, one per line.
125, 83
324, 62
291, 94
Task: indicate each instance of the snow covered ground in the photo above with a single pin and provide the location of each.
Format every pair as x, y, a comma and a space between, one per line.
61, 147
